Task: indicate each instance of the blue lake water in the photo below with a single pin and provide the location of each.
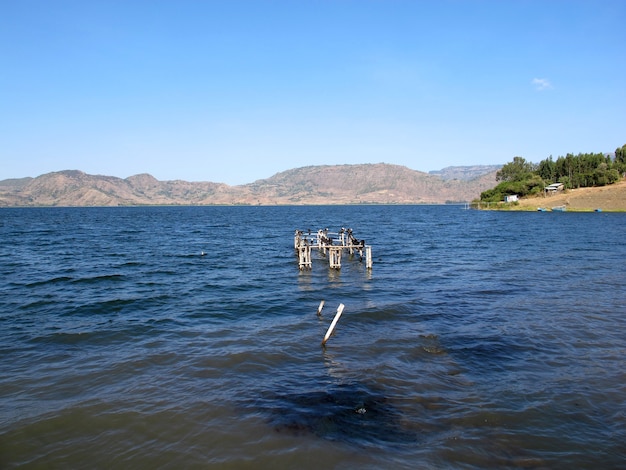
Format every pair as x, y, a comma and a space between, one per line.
477, 340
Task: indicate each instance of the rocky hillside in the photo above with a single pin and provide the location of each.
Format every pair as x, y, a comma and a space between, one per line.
367, 183
465, 173
75, 188
330, 184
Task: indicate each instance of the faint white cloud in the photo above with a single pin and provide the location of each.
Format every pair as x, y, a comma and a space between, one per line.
542, 84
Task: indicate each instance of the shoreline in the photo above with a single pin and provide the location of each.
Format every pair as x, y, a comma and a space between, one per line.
611, 198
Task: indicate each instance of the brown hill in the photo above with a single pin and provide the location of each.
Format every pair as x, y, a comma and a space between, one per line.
366, 183
75, 188
330, 184
465, 173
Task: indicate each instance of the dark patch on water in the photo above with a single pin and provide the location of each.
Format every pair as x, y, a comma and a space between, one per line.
492, 354
348, 413
431, 344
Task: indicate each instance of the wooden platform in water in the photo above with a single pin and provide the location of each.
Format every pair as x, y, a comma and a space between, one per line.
331, 243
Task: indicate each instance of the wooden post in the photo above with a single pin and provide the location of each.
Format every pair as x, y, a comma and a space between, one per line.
333, 324
321, 244
319, 309
334, 257
351, 241
307, 249
296, 239
368, 257
304, 252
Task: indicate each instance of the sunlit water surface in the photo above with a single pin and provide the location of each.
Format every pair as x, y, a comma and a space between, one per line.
478, 339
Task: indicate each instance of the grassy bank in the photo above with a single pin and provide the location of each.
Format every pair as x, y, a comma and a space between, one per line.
610, 198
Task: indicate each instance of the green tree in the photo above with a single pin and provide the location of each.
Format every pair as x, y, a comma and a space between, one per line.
517, 170
620, 154
620, 159
574, 171
526, 187
565, 169
547, 170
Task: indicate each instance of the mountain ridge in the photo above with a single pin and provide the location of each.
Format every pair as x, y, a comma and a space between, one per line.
371, 183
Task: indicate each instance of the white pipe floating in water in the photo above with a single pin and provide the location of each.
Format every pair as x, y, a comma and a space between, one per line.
332, 325
319, 309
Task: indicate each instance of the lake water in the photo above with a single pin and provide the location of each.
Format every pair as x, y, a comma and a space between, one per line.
477, 340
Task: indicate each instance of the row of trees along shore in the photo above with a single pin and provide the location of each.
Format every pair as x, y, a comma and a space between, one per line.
573, 171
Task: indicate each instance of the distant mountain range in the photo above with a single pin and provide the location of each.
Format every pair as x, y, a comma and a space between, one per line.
379, 183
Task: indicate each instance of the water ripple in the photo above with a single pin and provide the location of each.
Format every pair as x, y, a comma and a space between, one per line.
467, 345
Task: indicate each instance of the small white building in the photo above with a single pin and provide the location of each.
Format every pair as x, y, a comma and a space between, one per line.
553, 188
511, 198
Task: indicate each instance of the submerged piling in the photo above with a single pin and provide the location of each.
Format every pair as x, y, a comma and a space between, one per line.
319, 309
331, 328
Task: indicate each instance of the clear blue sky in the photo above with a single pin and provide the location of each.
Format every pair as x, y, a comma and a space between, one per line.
233, 91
